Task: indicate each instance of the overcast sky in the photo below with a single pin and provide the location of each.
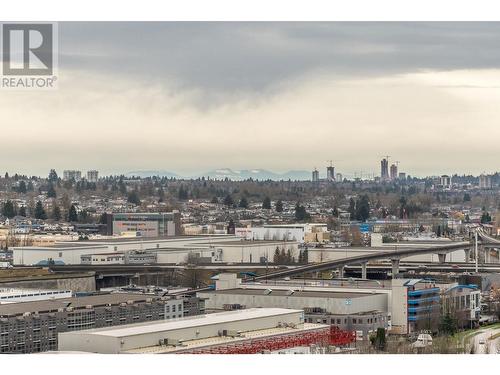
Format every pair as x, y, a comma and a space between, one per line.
191, 97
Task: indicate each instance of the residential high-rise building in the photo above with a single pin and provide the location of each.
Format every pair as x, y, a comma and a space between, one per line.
330, 173
402, 176
445, 181
485, 182
92, 175
394, 171
315, 175
384, 169
339, 177
72, 175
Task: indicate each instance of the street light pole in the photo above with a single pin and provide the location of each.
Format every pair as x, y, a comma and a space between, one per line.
475, 237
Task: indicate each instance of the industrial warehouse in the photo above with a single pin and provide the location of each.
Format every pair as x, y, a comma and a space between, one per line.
164, 250
347, 310
243, 331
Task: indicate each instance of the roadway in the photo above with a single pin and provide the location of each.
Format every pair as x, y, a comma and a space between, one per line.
484, 343
394, 255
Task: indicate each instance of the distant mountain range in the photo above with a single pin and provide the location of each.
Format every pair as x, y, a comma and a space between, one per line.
235, 175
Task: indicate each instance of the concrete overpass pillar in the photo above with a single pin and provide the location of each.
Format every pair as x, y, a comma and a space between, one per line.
395, 267
442, 258
341, 271
467, 255
363, 270
486, 254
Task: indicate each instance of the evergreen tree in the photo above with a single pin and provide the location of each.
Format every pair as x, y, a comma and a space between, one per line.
39, 211
277, 256
122, 188
22, 187
380, 340
402, 207
214, 200
485, 218
352, 208
9, 209
301, 213
56, 213
243, 203
363, 208
52, 175
228, 200
133, 198
183, 193
279, 206
22, 211
305, 256
161, 194
72, 215
266, 204
51, 192
448, 325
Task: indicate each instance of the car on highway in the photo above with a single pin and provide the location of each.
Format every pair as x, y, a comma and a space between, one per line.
482, 342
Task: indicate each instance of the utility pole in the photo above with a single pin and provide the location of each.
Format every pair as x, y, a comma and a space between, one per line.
475, 237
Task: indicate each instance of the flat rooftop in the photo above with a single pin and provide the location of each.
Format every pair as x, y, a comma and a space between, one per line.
243, 242
75, 302
294, 225
101, 243
297, 293
155, 239
345, 283
190, 322
24, 292
221, 340
64, 245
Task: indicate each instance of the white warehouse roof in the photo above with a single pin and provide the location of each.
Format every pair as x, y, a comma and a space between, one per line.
190, 322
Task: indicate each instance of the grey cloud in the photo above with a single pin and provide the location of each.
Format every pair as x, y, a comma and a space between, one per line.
233, 57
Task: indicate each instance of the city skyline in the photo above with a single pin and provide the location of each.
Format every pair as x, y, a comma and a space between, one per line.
260, 174
275, 96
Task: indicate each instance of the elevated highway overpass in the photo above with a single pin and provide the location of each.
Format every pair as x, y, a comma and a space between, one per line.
394, 256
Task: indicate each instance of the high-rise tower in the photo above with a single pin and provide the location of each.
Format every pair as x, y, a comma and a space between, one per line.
330, 172
315, 175
384, 169
394, 171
